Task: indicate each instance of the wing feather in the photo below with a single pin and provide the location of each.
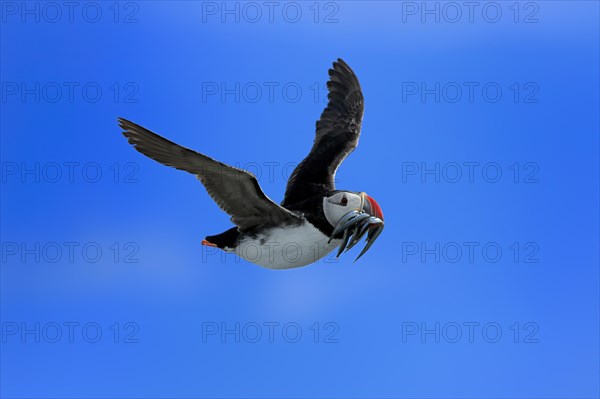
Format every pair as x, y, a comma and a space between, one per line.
235, 191
337, 134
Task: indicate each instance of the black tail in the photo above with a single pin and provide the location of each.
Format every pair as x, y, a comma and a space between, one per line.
227, 239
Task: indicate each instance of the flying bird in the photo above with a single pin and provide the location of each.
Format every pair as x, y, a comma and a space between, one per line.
314, 218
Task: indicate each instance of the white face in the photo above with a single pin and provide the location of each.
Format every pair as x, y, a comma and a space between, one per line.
340, 204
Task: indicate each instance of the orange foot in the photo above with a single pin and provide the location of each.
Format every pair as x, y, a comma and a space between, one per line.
208, 243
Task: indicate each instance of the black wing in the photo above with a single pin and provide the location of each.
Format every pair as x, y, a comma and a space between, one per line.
236, 191
337, 136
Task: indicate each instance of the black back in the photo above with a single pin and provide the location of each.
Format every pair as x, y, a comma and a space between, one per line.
312, 209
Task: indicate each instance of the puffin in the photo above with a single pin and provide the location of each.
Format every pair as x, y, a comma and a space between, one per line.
314, 217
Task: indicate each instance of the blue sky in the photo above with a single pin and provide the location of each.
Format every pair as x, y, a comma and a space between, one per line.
480, 143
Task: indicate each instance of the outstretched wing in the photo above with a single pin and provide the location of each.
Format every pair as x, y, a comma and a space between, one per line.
236, 191
337, 136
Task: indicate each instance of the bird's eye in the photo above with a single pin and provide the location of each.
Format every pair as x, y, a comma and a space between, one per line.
344, 201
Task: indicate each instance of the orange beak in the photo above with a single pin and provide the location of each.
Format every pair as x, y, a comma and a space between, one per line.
371, 207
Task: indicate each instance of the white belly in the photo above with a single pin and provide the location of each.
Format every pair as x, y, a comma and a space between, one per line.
286, 248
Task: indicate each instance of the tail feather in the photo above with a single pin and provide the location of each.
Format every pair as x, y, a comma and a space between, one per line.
224, 240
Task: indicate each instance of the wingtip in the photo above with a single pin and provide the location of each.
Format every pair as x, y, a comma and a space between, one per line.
128, 130
342, 73
128, 126
341, 62
123, 123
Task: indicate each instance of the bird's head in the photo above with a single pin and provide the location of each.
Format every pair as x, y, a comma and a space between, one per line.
339, 203
352, 215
